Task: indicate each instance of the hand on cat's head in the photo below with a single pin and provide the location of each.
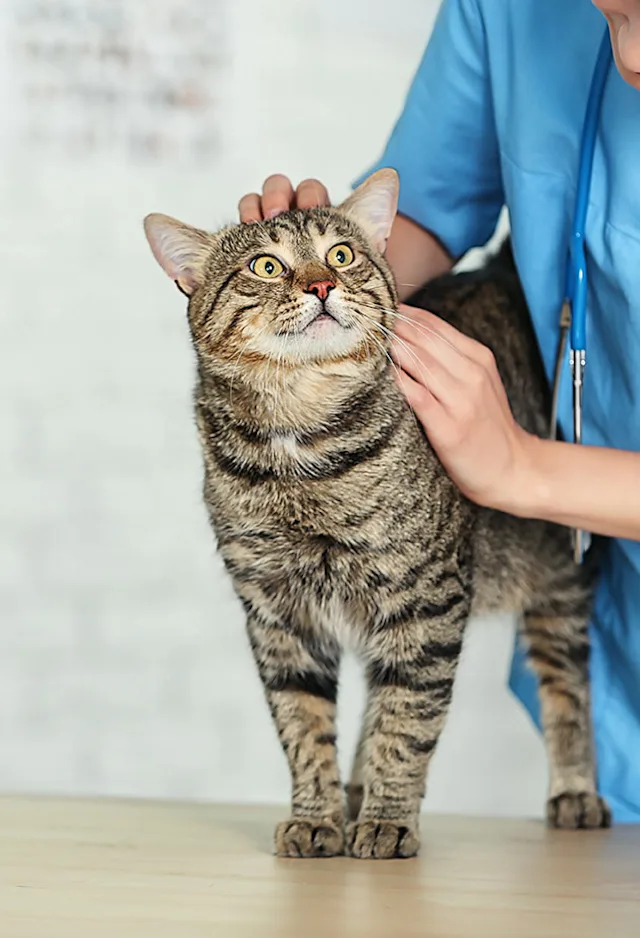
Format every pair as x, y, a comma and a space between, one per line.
308, 284
278, 195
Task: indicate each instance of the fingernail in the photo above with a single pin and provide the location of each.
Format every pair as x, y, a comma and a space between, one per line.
273, 213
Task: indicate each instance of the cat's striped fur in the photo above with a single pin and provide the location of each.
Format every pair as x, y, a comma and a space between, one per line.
338, 524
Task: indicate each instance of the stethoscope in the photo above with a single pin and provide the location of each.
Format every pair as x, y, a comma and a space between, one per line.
573, 315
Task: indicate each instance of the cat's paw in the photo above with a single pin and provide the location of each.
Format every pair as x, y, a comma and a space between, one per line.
309, 837
382, 840
578, 810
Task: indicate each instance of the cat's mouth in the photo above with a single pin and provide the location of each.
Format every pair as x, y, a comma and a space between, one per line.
323, 317
319, 330
322, 320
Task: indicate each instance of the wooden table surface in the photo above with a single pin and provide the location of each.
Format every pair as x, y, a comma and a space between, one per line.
107, 869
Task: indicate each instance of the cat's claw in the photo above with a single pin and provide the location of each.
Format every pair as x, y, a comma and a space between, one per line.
578, 810
382, 840
309, 837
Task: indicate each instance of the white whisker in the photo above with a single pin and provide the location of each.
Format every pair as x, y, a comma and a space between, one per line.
421, 327
380, 345
396, 338
276, 386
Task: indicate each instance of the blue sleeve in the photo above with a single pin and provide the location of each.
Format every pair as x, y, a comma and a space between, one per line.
444, 145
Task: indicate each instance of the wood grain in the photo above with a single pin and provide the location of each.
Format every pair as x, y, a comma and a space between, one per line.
105, 869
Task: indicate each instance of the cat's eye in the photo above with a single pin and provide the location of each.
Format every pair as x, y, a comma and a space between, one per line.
340, 255
267, 267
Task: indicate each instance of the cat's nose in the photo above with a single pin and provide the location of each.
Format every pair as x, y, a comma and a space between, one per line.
321, 288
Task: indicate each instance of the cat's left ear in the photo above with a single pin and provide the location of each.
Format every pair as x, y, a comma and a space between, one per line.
181, 251
373, 205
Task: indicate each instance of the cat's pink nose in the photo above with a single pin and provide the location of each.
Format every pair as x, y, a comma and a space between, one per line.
321, 288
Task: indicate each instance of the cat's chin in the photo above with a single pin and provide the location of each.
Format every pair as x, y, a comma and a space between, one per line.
323, 338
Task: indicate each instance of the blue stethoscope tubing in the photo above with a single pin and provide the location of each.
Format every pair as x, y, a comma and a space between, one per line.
573, 316
577, 267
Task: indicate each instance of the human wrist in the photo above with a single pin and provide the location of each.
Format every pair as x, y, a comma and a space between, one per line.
527, 492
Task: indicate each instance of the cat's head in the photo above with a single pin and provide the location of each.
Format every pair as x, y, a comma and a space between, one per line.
305, 287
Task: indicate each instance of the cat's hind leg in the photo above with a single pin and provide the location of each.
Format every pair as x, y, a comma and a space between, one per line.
555, 631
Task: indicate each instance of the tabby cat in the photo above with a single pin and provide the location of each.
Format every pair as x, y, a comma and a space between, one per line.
338, 524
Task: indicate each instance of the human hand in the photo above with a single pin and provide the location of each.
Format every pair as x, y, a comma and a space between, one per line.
452, 383
278, 195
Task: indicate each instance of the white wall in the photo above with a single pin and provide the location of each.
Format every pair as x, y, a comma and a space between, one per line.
123, 664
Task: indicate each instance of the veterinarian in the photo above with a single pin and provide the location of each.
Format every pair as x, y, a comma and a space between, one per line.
494, 117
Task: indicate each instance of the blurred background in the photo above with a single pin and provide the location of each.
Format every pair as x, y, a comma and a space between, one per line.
124, 668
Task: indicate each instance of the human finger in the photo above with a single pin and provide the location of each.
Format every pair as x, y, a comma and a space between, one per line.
425, 369
427, 340
439, 327
311, 193
277, 195
249, 208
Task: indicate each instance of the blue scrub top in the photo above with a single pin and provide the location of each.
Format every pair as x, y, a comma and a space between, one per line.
494, 116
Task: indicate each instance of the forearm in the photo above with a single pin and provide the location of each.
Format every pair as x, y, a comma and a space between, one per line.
586, 487
414, 255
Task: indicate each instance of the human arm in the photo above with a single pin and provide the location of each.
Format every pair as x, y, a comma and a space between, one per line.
586, 487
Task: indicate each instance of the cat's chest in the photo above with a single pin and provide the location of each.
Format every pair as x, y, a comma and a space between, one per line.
342, 505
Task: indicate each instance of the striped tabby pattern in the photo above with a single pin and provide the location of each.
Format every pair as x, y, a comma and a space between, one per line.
339, 526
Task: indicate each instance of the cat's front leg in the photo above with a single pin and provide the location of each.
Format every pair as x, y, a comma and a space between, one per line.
410, 684
300, 679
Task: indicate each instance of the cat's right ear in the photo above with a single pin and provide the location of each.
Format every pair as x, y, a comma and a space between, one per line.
181, 251
373, 205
